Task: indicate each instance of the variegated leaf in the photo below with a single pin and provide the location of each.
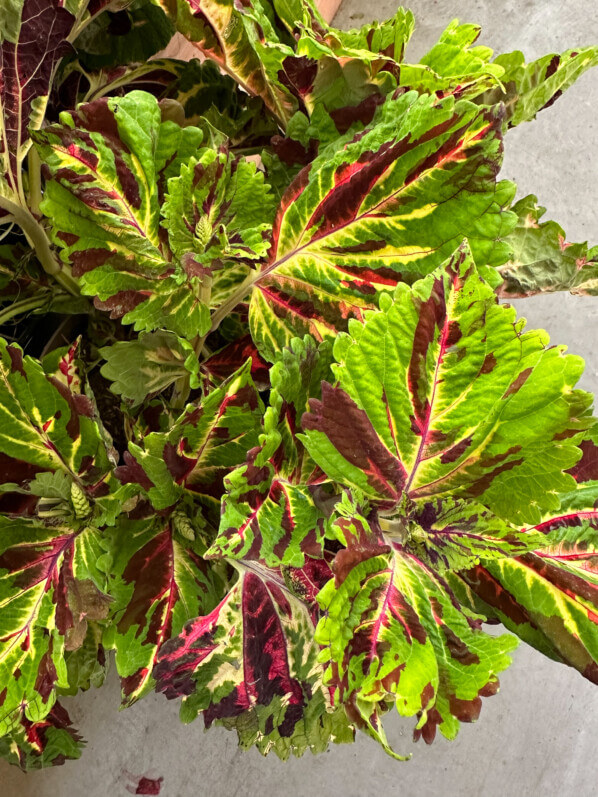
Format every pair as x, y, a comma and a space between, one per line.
444, 393
106, 167
391, 630
343, 73
269, 512
386, 206
529, 88
33, 39
453, 535
549, 596
251, 664
543, 260
204, 444
228, 359
242, 40
159, 581
218, 213
454, 65
49, 432
37, 745
49, 586
55, 464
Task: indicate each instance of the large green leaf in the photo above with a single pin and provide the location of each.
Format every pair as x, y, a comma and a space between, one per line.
443, 393
386, 206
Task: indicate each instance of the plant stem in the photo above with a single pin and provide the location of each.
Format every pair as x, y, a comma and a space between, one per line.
35, 180
229, 305
182, 387
23, 306
36, 235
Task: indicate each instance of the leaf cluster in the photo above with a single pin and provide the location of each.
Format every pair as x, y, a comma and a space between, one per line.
269, 440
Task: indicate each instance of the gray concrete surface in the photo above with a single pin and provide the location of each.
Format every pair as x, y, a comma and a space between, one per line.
538, 736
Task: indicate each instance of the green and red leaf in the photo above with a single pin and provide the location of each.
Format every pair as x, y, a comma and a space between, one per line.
32, 42
159, 581
454, 65
45, 743
106, 169
549, 596
242, 40
391, 630
251, 664
269, 512
204, 444
49, 587
49, 430
444, 393
528, 88
385, 206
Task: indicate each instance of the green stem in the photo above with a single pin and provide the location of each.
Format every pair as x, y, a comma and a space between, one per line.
17, 308
36, 235
182, 387
229, 305
35, 180
82, 21
247, 152
96, 92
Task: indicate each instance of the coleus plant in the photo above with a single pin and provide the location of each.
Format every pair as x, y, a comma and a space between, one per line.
269, 436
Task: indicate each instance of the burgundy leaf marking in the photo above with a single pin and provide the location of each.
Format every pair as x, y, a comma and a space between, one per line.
26, 69
350, 431
151, 570
587, 467
266, 669
433, 323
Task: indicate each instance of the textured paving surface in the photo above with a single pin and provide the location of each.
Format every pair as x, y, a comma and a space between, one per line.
538, 736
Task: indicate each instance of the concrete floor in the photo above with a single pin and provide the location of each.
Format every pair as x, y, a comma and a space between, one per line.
538, 736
